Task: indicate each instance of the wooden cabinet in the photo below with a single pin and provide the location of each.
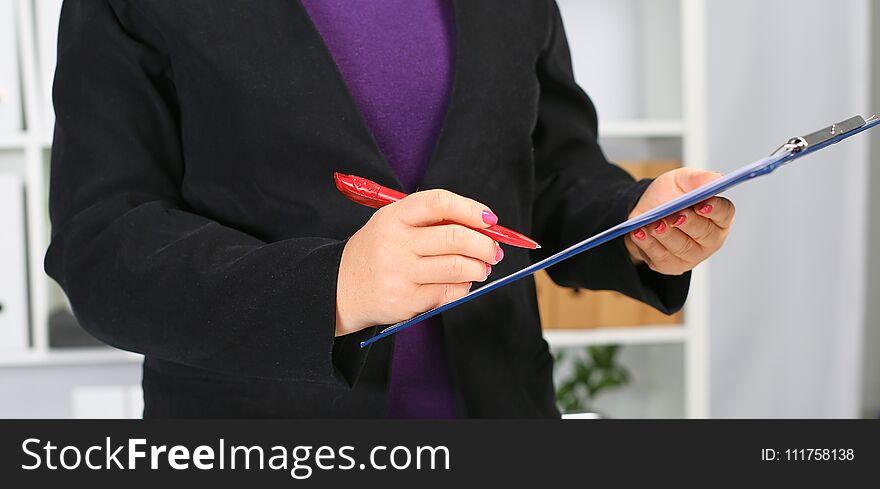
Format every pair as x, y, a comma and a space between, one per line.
565, 308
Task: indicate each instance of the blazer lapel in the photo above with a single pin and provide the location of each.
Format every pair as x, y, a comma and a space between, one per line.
444, 157
353, 118
356, 122
437, 160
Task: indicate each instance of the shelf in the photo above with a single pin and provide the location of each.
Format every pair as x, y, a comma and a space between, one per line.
13, 140
71, 356
21, 140
635, 335
45, 139
641, 128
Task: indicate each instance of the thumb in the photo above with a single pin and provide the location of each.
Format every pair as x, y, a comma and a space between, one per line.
688, 179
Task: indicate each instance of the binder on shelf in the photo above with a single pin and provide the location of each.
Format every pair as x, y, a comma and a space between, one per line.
14, 331
47, 13
10, 89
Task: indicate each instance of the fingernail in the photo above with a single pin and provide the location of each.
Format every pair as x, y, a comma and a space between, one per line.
680, 220
490, 218
499, 253
660, 228
705, 209
470, 284
640, 234
488, 269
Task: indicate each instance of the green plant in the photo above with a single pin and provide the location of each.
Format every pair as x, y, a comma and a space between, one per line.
592, 374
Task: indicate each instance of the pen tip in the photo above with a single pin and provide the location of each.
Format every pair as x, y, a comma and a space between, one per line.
537, 247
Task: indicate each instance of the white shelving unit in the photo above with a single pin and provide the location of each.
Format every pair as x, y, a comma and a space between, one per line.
651, 121
31, 146
686, 124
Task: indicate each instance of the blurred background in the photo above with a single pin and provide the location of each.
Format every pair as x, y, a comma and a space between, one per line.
783, 323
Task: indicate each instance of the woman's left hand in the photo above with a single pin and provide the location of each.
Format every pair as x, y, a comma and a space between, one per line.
678, 243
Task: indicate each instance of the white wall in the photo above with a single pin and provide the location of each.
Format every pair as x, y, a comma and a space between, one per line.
787, 293
871, 370
625, 55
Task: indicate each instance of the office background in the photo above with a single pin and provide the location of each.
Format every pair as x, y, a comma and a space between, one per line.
783, 323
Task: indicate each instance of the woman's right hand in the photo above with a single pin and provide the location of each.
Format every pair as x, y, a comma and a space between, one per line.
411, 256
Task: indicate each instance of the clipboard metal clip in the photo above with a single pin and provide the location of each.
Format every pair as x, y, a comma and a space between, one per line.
798, 144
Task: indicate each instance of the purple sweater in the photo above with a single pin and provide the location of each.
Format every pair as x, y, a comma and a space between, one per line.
396, 57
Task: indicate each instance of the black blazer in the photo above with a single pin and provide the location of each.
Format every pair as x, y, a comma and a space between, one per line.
195, 220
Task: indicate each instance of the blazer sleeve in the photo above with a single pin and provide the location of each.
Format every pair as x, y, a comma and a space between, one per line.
579, 193
141, 271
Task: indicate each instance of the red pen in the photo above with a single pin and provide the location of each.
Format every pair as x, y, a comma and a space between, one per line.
371, 194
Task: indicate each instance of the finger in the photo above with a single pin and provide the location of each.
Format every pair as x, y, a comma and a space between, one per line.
677, 242
452, 239
657, 256
449, 269
435, 206
701, 229
718, 209
429, 296
688, 179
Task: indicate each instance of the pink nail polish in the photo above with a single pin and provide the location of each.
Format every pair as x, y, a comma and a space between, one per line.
490, 218
488, 269
639, 235
499, 253
705, 209
680, 220
660, 228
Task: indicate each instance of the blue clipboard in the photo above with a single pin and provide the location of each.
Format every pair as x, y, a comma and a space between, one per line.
795, 148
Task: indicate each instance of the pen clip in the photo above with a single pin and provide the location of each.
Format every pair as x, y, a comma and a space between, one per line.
801, 143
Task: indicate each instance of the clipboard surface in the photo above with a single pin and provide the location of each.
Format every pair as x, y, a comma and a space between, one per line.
795, 148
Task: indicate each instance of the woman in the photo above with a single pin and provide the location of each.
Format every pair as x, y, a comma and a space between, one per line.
195, 219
